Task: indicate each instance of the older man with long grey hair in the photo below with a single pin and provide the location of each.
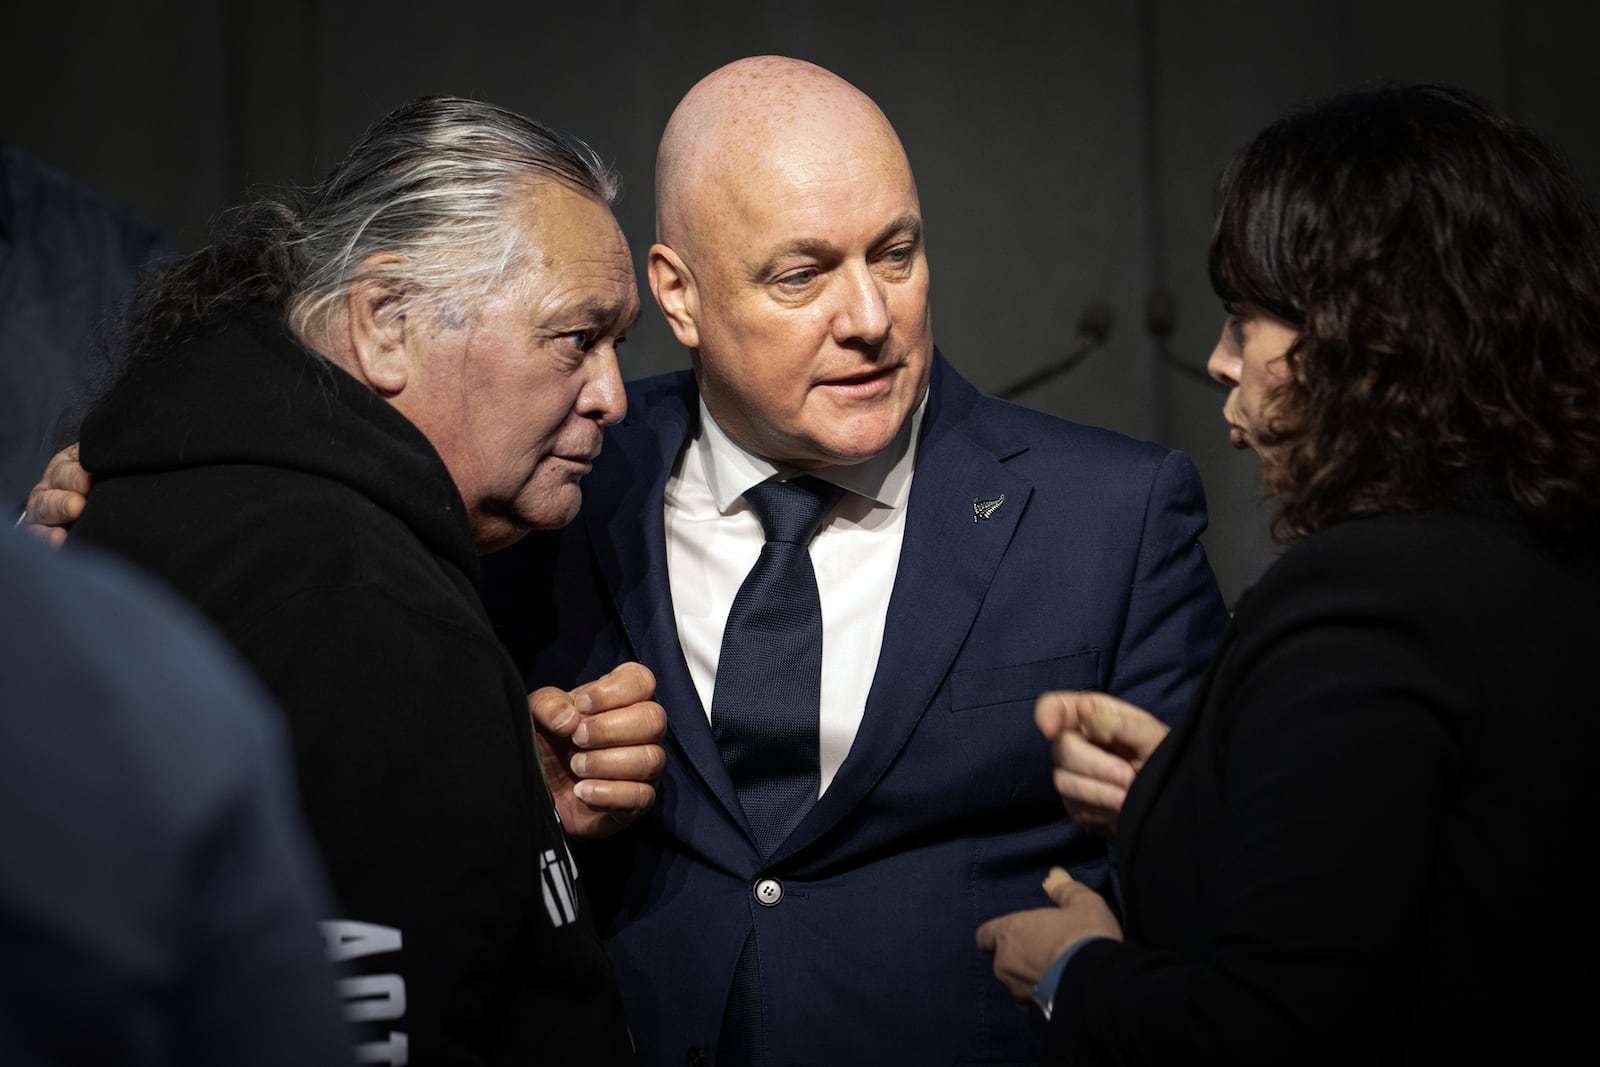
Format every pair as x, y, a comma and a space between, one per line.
319, 421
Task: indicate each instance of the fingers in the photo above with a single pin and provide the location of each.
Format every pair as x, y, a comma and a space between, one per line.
1120, 727
1025, 944
643, 723
615, 786
1093, 783
622, 744
989, 934
620, 759
54, 536
1063, 890
625, 798
617, 744
1056, 713
53, 507
600, 749
65, 473
1098, 815
631, 763
1066, 710
1106, 722
589, 713
1082, 758
627, 683
1092, 780
57, 501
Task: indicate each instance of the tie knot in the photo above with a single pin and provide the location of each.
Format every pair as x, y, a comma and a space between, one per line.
791, 511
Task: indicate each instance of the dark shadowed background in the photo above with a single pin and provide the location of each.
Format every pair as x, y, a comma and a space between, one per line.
1065, 149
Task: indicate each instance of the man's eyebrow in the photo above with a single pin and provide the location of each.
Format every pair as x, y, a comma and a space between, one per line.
799, 248
906, 225
604, 312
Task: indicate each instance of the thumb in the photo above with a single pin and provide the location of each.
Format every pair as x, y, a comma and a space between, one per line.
1058, 884
553, 710
1120, 727
1057, 712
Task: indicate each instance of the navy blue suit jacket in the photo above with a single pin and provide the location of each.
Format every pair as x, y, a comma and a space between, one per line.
1089, 575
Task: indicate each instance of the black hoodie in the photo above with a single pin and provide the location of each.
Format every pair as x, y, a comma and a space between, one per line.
322, 532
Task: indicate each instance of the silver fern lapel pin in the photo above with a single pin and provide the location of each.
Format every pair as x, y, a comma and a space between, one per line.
983, 509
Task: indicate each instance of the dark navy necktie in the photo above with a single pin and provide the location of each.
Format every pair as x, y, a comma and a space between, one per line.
764, 707
764, 704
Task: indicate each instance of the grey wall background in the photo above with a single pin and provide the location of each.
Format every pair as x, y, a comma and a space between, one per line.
1065, 150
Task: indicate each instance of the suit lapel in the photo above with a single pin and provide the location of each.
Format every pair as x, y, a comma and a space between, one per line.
947, 560
626, 526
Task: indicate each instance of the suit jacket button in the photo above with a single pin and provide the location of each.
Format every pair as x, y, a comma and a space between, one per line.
769, 891
697, 1058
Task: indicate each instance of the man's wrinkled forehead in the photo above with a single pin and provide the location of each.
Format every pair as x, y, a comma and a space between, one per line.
770, 159
759, 130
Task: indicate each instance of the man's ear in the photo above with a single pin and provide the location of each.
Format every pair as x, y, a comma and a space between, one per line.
675, 292
378, 327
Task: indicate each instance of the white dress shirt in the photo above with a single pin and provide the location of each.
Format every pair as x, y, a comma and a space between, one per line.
714, 537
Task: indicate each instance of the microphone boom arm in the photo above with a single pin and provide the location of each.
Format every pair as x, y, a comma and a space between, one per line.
1093, 329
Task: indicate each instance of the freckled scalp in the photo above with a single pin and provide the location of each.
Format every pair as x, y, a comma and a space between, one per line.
748, 118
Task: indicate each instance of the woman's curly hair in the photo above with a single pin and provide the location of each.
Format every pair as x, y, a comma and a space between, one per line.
1442, 267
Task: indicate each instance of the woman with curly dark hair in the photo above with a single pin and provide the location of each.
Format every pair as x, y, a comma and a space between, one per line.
1439, 270
1362, 845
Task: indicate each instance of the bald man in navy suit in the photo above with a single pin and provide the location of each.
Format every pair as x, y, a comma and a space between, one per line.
980, 554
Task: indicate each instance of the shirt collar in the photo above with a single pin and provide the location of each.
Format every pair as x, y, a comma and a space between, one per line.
731, 469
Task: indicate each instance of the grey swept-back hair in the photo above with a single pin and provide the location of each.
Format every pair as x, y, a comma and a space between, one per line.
433, 183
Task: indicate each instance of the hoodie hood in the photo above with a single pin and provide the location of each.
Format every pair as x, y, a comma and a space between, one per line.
251, 393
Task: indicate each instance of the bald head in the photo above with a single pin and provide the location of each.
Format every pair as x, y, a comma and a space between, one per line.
753, 120
789, 261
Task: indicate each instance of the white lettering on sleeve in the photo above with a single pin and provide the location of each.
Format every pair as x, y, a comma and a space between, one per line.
370, 997
557, 885
348, 940
396, 1051
373, 996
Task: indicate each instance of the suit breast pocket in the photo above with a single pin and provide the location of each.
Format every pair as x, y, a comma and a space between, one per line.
987, 687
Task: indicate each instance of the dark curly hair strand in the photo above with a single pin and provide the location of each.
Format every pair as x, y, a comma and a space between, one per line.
1442, 267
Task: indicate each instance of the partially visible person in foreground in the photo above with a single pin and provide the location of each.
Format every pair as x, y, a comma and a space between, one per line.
323, 418
67, 256
1364, 844
158, 895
